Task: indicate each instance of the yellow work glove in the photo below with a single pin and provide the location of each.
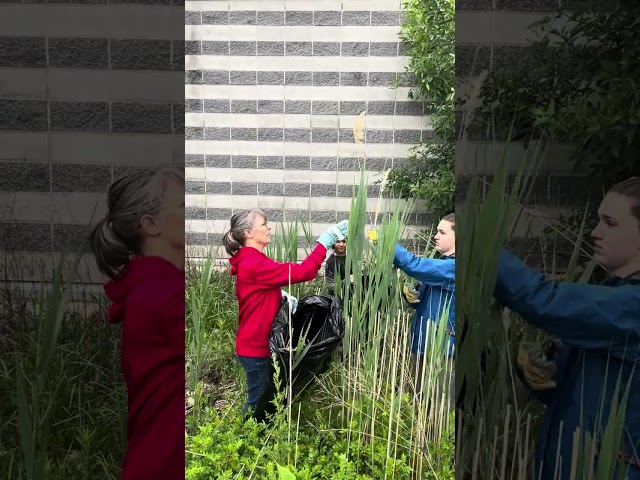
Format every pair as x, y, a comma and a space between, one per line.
411, 293
535, 364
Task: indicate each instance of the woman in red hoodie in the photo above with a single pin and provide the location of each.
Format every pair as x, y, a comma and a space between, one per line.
140, 246
258, 288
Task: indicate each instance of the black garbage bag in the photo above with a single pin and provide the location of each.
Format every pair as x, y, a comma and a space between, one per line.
320, 318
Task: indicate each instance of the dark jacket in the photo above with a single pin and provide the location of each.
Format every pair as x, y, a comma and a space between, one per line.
334, 265
437, 294
600, 327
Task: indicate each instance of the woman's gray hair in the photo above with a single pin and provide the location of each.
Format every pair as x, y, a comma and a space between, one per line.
233, 239
117, 238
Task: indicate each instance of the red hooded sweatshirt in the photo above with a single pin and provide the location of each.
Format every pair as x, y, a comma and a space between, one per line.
258, 283
148, 301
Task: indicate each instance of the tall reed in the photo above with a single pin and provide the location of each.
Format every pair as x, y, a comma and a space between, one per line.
497, 420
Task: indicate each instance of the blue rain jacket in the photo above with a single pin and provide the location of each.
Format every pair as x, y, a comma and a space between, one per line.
437, 292
600, 328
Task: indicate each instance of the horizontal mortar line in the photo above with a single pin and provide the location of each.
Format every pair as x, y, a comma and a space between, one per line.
300, 5
249, 120
196, 251
276, 215
105, 148
480, 157
296, 63
296, 92
309, 164
498, 28
195, 231
197, 104
76, 208
79, 130
11, 259
220, 259
112, 105
212, 147
317, 136
280, 176
248, 33
220, 226
131, 68
34, 288
341, 204
91, 85
91, 21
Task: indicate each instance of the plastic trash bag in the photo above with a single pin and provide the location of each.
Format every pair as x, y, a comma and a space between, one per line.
321, 319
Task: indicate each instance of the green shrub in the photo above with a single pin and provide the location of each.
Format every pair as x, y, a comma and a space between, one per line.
429, 34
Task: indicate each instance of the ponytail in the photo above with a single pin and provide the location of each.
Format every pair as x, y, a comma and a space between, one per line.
110, 252
231, 244
240, 221
117, 237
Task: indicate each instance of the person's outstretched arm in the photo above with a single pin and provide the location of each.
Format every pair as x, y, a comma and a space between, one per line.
429, 271
585, 316
274, 274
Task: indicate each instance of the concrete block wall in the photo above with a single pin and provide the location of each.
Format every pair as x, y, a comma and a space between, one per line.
88, 91
272, 90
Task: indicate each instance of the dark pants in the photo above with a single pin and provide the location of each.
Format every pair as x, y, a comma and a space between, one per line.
256, 370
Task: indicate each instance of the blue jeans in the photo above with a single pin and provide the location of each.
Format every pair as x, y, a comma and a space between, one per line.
256, 370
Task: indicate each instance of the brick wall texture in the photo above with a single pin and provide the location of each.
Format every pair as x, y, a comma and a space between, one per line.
88, 90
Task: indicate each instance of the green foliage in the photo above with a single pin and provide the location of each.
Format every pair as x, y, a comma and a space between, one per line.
429, 33
229, 447
360, 420
225, 447
579, 86
63, 402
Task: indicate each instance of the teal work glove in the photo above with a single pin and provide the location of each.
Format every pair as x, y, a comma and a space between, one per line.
335, 233
293, 301
343, 226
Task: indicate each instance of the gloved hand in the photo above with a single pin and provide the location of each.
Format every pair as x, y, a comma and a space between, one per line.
411, 293
335, 233
343, 226
535, 362
293, 301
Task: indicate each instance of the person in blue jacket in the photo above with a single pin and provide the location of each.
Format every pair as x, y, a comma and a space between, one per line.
598, 332
436, 291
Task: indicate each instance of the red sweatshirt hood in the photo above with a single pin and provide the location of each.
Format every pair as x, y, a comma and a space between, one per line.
243, 253
135, 273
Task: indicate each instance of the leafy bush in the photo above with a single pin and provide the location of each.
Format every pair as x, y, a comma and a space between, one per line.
225, 447
429, 34
576, 86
